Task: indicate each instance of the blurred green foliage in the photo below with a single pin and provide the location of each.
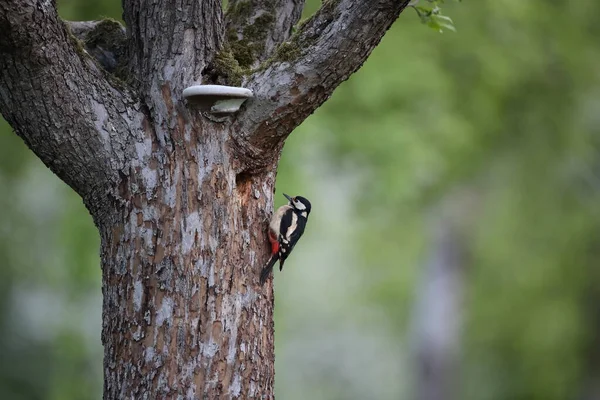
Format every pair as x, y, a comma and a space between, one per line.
506, 109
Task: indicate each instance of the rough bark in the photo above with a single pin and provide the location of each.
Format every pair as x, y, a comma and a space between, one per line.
184, 314
61, 104
104, 40
170, 45
256, 27
180, 198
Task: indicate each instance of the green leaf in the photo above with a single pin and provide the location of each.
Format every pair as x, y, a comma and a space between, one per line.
431, 15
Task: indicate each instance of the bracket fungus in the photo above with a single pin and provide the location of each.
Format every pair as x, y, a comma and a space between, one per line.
217, 99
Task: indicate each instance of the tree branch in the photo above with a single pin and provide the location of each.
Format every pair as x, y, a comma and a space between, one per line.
59, 101
256, 27
305, 70
104, 40
171, 43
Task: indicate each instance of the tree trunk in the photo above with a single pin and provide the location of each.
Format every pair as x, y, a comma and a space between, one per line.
180, 197
183, 312
438, 312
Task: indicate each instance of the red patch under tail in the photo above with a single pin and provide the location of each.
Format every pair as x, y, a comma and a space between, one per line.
274, 243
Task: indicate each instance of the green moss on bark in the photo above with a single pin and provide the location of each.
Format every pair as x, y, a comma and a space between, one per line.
226, 69
302, 38
248, 44
108, 33
105, 45
286, 52
239, 11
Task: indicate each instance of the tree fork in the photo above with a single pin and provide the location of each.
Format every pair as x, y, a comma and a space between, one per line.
179, 200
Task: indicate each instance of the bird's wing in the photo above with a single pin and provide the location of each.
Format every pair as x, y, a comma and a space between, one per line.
288, 224
293, 227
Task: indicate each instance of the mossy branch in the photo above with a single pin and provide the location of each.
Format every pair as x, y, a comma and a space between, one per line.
105, 40
256, 27
304, 70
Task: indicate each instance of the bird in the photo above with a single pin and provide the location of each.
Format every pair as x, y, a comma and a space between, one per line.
285, 229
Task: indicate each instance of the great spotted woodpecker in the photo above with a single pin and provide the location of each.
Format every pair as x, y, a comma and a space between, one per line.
285, 229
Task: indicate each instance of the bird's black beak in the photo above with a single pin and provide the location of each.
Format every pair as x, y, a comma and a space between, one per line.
288, 197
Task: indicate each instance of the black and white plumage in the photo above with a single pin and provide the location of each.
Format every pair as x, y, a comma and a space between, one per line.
285, 229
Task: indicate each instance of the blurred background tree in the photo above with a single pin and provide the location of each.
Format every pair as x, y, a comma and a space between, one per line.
455, 182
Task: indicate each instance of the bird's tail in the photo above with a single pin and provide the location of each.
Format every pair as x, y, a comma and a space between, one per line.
264, 274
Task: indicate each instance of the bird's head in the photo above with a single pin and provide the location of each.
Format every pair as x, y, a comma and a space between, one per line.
299, 203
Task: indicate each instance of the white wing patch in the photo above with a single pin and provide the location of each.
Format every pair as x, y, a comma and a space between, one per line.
291, 228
